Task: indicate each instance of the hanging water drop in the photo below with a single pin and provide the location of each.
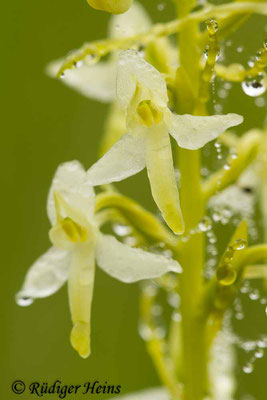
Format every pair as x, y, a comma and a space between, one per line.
259, 353
24, 301
248, 368
253, 88
205, 224
217, 216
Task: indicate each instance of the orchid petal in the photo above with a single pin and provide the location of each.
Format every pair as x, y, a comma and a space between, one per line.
81, 286
134, 71
124, 159
129, 264
46, 276
132, 22
162, 177
191, 132
69, 183
93, 81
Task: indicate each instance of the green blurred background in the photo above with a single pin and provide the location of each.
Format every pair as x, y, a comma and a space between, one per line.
43, 124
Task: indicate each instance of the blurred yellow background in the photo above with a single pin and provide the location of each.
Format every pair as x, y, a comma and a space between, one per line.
44, 123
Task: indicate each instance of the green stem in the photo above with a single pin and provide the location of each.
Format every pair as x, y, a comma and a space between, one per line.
191, 253
191, 258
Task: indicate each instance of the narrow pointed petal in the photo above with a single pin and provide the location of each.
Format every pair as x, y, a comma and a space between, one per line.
69, 182
81, 286
148, 394
124, 159
162, 177
93, 81
133, 70
191, 132
45, 277
129, 264
132, 22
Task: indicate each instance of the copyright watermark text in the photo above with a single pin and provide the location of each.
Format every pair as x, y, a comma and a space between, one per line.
41, 389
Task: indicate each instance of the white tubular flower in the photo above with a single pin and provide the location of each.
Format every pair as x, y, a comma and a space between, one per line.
77, 242
98, 81
142, 93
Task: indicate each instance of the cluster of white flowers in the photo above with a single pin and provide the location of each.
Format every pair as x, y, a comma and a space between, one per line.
77, 241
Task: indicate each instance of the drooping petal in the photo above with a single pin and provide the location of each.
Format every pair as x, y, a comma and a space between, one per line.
161, 174
191, 132
148, 394
93, 81
134, 71
81, 286
129, 264
45, 277
124, 159
132, 22
69, 182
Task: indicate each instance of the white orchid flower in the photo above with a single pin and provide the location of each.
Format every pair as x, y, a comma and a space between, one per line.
77, 243
142, 93
98, 81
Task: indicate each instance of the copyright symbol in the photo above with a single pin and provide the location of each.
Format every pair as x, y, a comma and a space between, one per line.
18, 387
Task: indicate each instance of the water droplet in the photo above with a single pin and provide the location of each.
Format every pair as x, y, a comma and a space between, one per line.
248, 368
262, 342
24, 301
239, 316
121, 230
222, 93
62, 76
248, 345
253, 88
254, 294
260, 102
145, 332
240, 49
259, 353
205, 224
173, 300
212, 26
245, 288
156, 310
239, 244
226, 166
161, 6
176, 317
217, 216
79, 64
